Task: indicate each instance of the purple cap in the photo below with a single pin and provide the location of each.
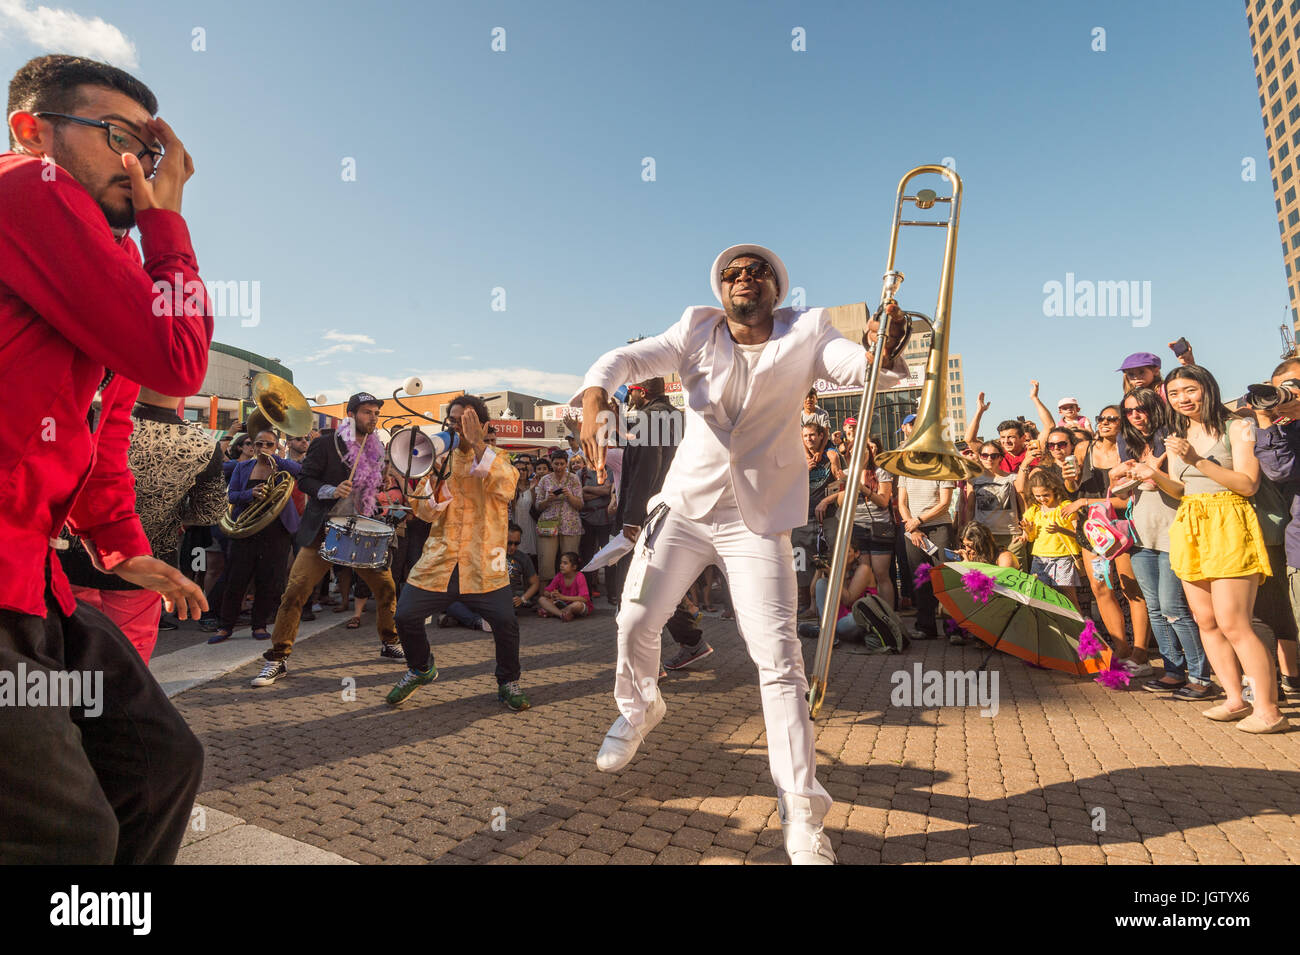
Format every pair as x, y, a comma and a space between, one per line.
1140, 359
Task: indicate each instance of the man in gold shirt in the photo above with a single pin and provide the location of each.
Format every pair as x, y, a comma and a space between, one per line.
464, 558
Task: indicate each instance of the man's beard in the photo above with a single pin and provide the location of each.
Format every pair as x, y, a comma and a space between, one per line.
746, 312
120, 216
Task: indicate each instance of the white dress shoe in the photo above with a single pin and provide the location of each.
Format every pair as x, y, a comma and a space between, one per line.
805, 842
623, 739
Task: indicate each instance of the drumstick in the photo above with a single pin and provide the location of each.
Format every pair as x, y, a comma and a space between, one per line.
360, 450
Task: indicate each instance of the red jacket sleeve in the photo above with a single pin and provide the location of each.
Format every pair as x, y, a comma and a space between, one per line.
63, 260
104, 512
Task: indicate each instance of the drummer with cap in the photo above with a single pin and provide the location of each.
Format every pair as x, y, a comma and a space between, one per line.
336, 483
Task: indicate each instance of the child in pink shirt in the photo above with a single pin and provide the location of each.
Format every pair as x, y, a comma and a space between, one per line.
566, 596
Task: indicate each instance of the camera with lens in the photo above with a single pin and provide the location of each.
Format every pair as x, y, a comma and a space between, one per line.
1266, 397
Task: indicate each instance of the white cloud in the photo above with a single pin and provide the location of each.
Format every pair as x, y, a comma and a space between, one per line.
545, 384
63, 31
337, 336
465, 357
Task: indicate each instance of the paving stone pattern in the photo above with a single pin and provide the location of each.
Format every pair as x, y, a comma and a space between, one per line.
454, 777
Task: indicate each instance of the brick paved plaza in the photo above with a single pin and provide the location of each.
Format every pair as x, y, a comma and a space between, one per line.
454, 777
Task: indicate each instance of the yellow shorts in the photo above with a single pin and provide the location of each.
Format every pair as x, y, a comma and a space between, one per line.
1216, 535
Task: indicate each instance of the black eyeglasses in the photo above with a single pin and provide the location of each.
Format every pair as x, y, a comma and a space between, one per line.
120, 139
1108, 418
264, 444
759, 271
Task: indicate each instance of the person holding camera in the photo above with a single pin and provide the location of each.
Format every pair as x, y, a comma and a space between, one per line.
1277, 413
558, 497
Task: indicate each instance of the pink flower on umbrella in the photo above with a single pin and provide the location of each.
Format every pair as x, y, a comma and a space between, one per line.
922, 577
979, 585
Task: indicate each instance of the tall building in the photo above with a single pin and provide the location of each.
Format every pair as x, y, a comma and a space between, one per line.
893, 404
1275, 41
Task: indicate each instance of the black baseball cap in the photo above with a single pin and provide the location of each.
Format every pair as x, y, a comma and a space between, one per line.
362, 398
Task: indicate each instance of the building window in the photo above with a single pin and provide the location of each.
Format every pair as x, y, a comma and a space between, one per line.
1277, 108
1283, 151
1288, 69
1290, 93
1293, 217
1290, 195
1279, 130
1287, 172
1272, 87
1283, 50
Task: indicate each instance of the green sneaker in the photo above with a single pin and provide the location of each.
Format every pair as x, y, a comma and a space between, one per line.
512, 696
411, 681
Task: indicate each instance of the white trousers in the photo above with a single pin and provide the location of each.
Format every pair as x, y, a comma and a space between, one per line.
760, 571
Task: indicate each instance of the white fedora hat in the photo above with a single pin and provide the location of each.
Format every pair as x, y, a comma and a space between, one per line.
767, 255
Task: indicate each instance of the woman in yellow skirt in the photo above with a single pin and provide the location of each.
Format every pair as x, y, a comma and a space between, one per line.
1215, 544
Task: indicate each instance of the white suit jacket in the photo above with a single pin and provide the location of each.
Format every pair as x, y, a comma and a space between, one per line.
760, 452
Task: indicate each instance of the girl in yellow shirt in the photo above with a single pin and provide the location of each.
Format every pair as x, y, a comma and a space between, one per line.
1052, 534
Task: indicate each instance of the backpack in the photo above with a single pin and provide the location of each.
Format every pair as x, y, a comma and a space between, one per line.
1108, 536
883, 630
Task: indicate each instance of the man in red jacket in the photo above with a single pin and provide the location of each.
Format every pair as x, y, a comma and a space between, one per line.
98, 766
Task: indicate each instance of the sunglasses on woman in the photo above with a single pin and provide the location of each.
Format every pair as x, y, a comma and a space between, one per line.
1108, 419
1057, 444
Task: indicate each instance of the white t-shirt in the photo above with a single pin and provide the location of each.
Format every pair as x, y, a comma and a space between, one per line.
744, 360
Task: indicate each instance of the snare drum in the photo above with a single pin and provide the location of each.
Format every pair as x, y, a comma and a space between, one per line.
356, 542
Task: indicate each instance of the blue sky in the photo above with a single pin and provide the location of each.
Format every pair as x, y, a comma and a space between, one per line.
522, 170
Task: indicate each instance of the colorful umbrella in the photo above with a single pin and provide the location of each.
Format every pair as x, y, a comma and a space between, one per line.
1016, 613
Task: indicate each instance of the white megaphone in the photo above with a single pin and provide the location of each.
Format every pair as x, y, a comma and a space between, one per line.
413, 452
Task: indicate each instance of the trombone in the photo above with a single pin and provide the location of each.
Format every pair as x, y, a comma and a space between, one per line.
929, 453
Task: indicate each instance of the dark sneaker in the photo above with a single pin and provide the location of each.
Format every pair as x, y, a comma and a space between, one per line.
308, 615
392, 651
512, 696
168, 622
685, 656
810, 631
208, 624
1193, 691
272, 670
447, 620
1160, 686
411, 681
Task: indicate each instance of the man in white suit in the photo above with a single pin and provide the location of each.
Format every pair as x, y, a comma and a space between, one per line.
736, 488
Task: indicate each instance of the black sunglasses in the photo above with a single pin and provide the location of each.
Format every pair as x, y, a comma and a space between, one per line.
119, 138
758, 270
1108, 418
1058, 444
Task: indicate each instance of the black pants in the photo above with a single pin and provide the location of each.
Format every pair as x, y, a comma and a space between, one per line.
77, 789
263, 559
497, 607
683, 629
926, 603
594, 537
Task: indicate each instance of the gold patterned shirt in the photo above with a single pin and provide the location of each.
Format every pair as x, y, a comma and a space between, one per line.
468, 525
